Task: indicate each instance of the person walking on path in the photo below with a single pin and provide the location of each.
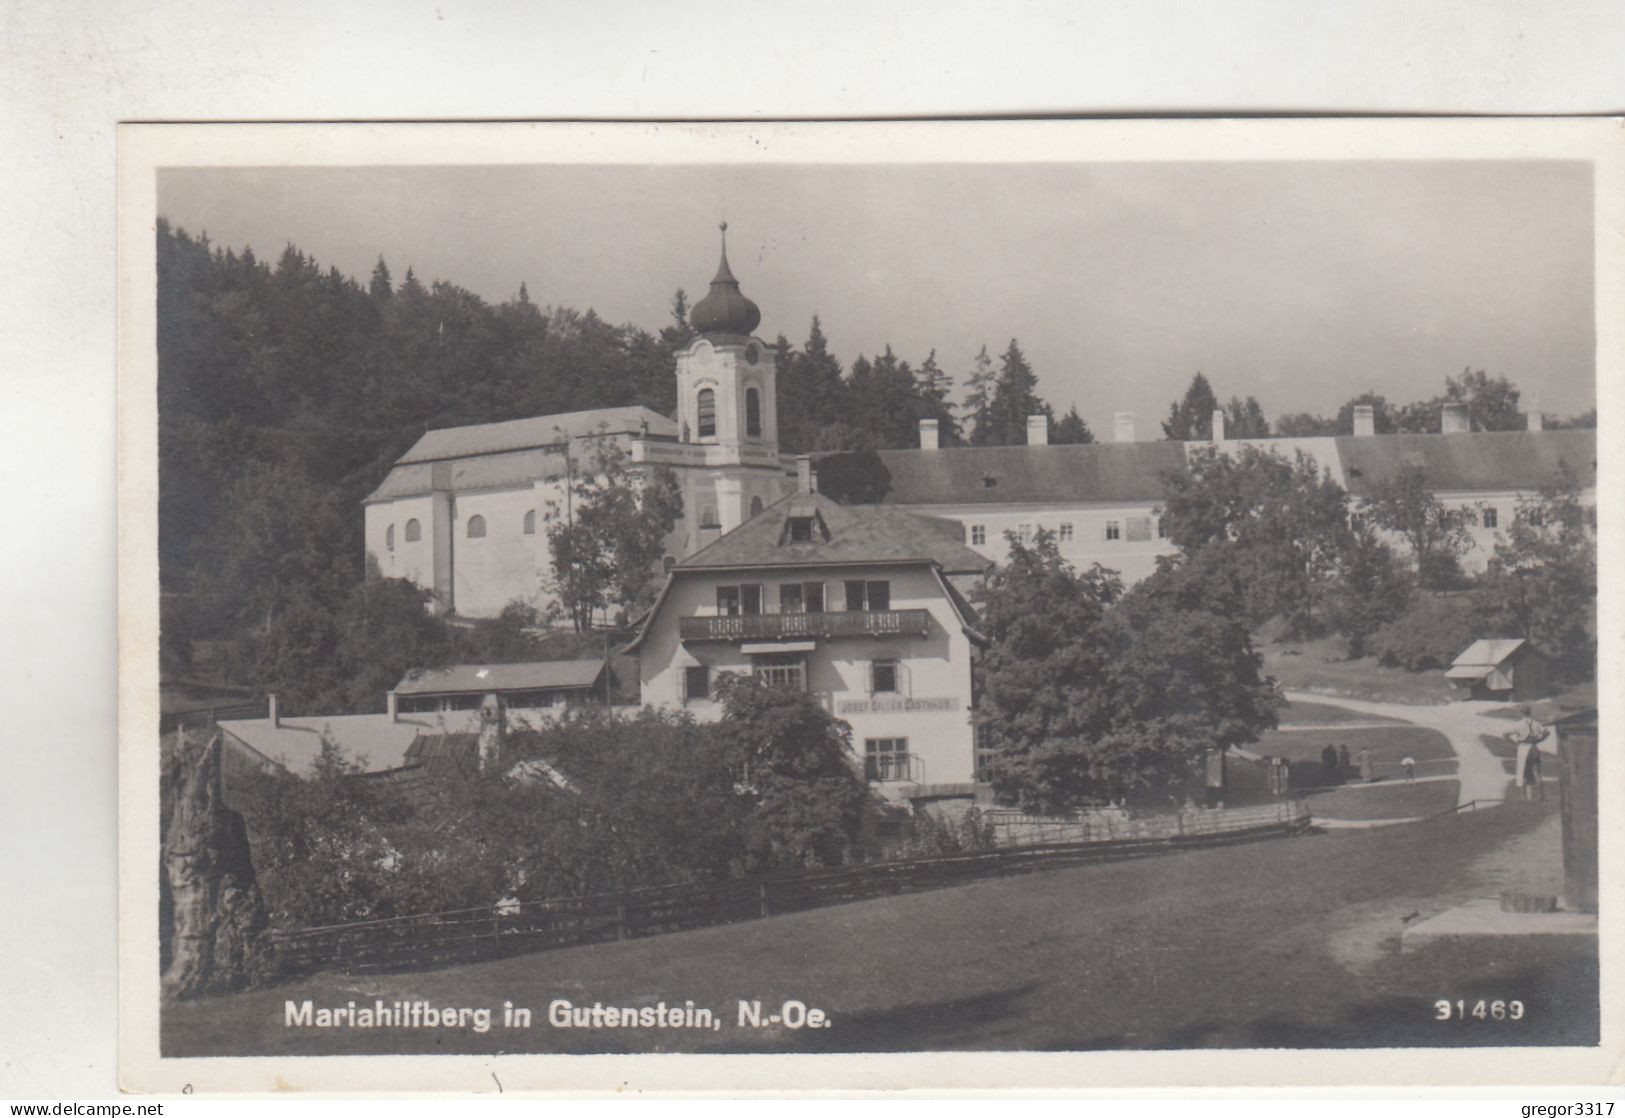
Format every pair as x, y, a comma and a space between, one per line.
1409, 765
1343, 759
1368, 768
1527, 737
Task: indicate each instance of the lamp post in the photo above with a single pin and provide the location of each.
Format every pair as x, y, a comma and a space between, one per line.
1522, 574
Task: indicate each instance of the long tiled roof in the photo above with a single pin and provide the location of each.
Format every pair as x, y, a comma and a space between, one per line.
1487, 460
535, 676
856, 534
1100, 472
997, 475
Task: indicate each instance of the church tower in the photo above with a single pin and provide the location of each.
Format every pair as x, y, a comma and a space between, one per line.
727, 416
725, 378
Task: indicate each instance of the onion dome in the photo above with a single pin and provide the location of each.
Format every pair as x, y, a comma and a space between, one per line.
724, 310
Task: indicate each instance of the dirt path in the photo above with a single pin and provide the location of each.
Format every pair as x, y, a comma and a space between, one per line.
1480, 772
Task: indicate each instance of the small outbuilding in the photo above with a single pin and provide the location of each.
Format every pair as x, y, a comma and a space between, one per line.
1513, 670
523, 687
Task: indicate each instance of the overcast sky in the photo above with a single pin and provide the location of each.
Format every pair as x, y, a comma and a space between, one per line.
1299, 283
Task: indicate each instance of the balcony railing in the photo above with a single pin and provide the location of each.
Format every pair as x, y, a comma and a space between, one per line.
791, 626
886, 767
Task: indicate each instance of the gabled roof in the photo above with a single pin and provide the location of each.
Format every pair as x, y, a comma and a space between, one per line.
514, 452
1000, 475
1488, 653
536, 431
538, 675
1519, 461
856, 534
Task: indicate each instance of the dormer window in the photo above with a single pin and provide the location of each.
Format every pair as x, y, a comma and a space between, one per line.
801, 529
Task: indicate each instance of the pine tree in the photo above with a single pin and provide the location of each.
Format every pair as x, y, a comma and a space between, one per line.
1071, 429
1192, 417
1015, 398
381, 287
978, 405
1244, 419
812, 393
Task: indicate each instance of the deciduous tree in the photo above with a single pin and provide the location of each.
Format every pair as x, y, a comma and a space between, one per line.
608, 537
1436, 536
1281, 524
1541, 583
794, 762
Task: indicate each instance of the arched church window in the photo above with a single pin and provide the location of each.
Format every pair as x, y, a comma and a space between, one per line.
755, 505
476, 527
708, 413
414, 531
530, 522
389, 537
753, 412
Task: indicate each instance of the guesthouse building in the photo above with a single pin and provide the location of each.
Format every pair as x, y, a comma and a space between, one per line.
856, 604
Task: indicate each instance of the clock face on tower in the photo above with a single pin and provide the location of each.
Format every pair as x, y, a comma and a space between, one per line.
752, 353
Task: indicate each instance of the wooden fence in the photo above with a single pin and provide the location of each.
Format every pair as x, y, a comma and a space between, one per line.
1012, 828
442, 938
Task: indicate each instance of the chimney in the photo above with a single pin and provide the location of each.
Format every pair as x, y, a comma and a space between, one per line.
1537, 421
1038, 430
392, 706
274, 715
1124, 427
1453, 419
1365, 421
804, 474
1218, 425
928, 434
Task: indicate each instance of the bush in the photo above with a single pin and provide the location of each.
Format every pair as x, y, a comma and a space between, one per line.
1431, 634
931, 834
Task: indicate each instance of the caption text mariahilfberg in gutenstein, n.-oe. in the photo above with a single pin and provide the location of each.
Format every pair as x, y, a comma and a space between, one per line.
561, 1014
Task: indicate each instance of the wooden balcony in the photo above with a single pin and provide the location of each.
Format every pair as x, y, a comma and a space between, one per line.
803, 626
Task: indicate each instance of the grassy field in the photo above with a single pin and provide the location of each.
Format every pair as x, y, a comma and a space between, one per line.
1286, 943
1324, 714
1390, 798
1319, 666
1387, 745
1575, 697
1387, 800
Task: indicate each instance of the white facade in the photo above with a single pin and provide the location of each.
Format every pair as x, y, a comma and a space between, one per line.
913, 733
1125, 537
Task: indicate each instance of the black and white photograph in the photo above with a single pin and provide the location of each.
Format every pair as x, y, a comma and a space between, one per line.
1087, 590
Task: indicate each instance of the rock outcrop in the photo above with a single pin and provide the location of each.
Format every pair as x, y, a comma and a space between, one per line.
216, 917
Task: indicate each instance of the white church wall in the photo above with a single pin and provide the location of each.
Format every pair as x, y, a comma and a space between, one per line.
489, 572
412, 560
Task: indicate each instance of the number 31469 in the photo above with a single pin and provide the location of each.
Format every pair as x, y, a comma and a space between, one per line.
1461, 1010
